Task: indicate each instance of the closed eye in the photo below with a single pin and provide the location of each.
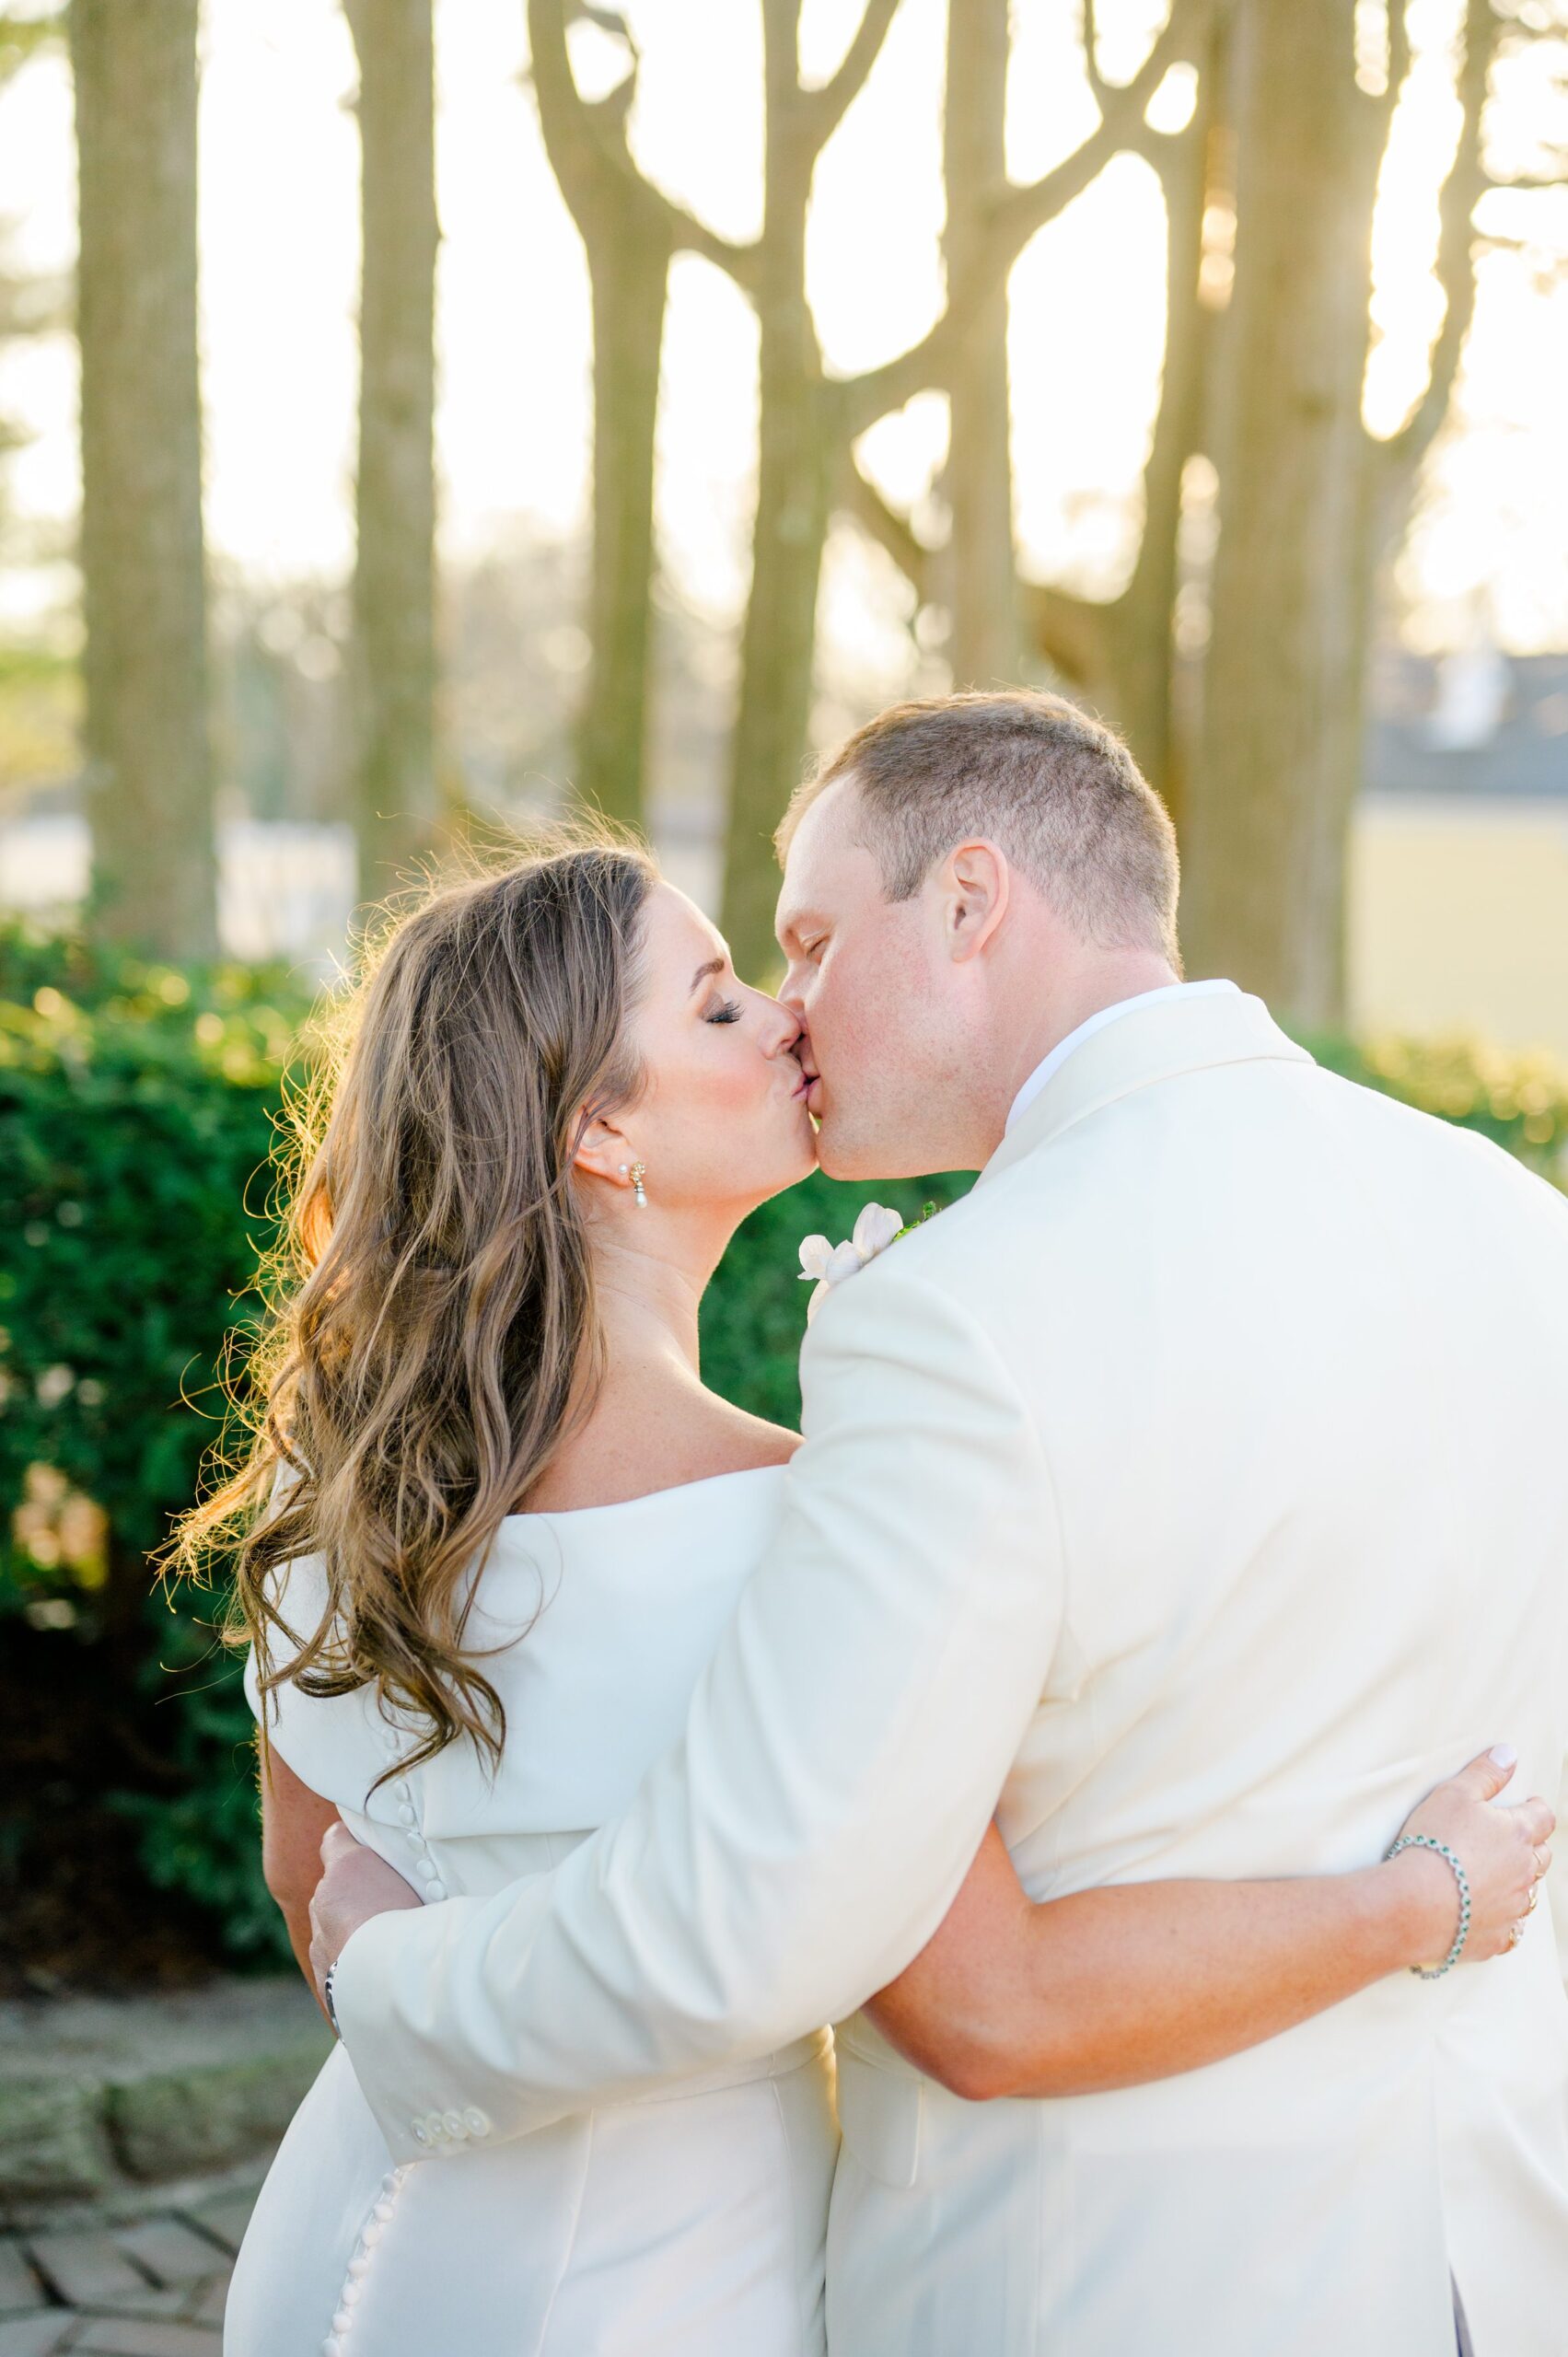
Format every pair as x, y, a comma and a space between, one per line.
727, 1011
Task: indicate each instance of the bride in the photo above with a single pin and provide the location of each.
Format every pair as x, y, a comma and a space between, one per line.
503, 1526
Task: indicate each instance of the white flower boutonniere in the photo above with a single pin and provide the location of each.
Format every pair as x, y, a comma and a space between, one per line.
825, 1265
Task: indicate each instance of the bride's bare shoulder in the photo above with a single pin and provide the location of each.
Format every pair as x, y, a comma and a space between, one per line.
702, 1434
716, 1436
754, 1441
668, 1443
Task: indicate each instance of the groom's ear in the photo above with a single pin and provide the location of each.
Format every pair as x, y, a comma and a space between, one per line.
975, 883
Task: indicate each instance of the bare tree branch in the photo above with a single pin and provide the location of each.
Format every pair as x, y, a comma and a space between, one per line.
585, 141
829, 104
1017, 213
22, 36
1398, 51
35, 306
611, 20
1021, 211
891, 532
1105, 92
1455, 245
1071, 633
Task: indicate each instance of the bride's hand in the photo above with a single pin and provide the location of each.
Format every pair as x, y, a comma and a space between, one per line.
1504, 1852
356, 1882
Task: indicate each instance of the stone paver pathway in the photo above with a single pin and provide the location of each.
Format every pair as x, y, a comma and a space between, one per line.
152, 2285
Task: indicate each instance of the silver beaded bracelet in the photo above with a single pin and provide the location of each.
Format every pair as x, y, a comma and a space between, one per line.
1425, 1841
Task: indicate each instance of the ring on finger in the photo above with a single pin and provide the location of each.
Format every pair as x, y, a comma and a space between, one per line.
1541, 1864
1534, 1900
1515, 1931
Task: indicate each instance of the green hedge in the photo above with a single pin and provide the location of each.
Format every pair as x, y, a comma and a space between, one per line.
136, 1113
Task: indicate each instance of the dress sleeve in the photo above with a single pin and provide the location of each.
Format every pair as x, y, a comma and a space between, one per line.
325, 1738
843, 1755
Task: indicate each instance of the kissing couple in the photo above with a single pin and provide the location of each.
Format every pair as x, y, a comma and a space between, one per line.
1100, 1713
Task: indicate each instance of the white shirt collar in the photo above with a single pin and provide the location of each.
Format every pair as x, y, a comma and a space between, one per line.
1097, 1022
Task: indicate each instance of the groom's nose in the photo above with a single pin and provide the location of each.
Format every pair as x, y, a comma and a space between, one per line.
791, 993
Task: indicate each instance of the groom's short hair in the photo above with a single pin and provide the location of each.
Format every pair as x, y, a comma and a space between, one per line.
1056, 789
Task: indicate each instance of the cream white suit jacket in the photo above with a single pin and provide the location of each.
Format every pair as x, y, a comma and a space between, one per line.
1198, 1485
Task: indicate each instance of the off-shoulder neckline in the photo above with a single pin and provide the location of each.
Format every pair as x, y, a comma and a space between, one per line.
647, 1498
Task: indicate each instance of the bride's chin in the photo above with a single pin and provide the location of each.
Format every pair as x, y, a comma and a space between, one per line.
796, 1164
795, 1161
806, 1149
799, 1147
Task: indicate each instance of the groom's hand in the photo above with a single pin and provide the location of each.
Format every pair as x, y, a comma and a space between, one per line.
355, 1884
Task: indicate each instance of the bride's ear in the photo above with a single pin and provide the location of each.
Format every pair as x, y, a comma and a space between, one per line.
603, 1151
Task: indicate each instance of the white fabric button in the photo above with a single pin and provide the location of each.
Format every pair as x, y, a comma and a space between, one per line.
341, 2321
371, 2236
358, 2265
419, 2132
331, 2346
477, 2122
402, 1790
407, 1815
350, 2294
453, 2124
435, 1890
429, 1870
383, 2210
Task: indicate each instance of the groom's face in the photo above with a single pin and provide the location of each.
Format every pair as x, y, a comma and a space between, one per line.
865, 979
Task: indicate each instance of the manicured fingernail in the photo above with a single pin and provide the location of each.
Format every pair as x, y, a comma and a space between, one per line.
1503, 1755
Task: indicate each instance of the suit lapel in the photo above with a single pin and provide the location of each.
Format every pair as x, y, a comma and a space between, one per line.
1155, 1043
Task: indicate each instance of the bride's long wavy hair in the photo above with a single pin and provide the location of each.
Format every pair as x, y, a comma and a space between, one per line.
431, 1325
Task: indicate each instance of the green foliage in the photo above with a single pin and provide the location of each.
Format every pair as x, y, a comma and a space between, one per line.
136, 1113
135, 1120
204, 1840
755, 1312
1520, 1101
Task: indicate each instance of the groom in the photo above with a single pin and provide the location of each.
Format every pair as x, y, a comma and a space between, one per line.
1194, 1491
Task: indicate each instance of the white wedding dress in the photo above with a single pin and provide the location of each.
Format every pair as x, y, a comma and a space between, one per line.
689, 2222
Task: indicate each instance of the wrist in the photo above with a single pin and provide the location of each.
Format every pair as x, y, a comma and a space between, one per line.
1423, 1902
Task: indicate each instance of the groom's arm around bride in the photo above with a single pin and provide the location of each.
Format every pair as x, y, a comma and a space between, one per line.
1173, 1486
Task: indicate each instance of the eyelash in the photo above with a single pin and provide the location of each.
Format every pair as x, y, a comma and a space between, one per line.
728, 1011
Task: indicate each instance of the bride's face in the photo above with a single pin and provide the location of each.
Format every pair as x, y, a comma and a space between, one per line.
721, 1119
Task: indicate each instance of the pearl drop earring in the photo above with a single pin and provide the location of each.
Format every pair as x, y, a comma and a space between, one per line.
639, 1172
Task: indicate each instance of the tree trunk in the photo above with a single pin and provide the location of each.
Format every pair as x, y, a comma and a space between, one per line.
397, 809
1268, 800
148, 752
796, 445
1140, 640
778, 644
629, 268
980, 566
